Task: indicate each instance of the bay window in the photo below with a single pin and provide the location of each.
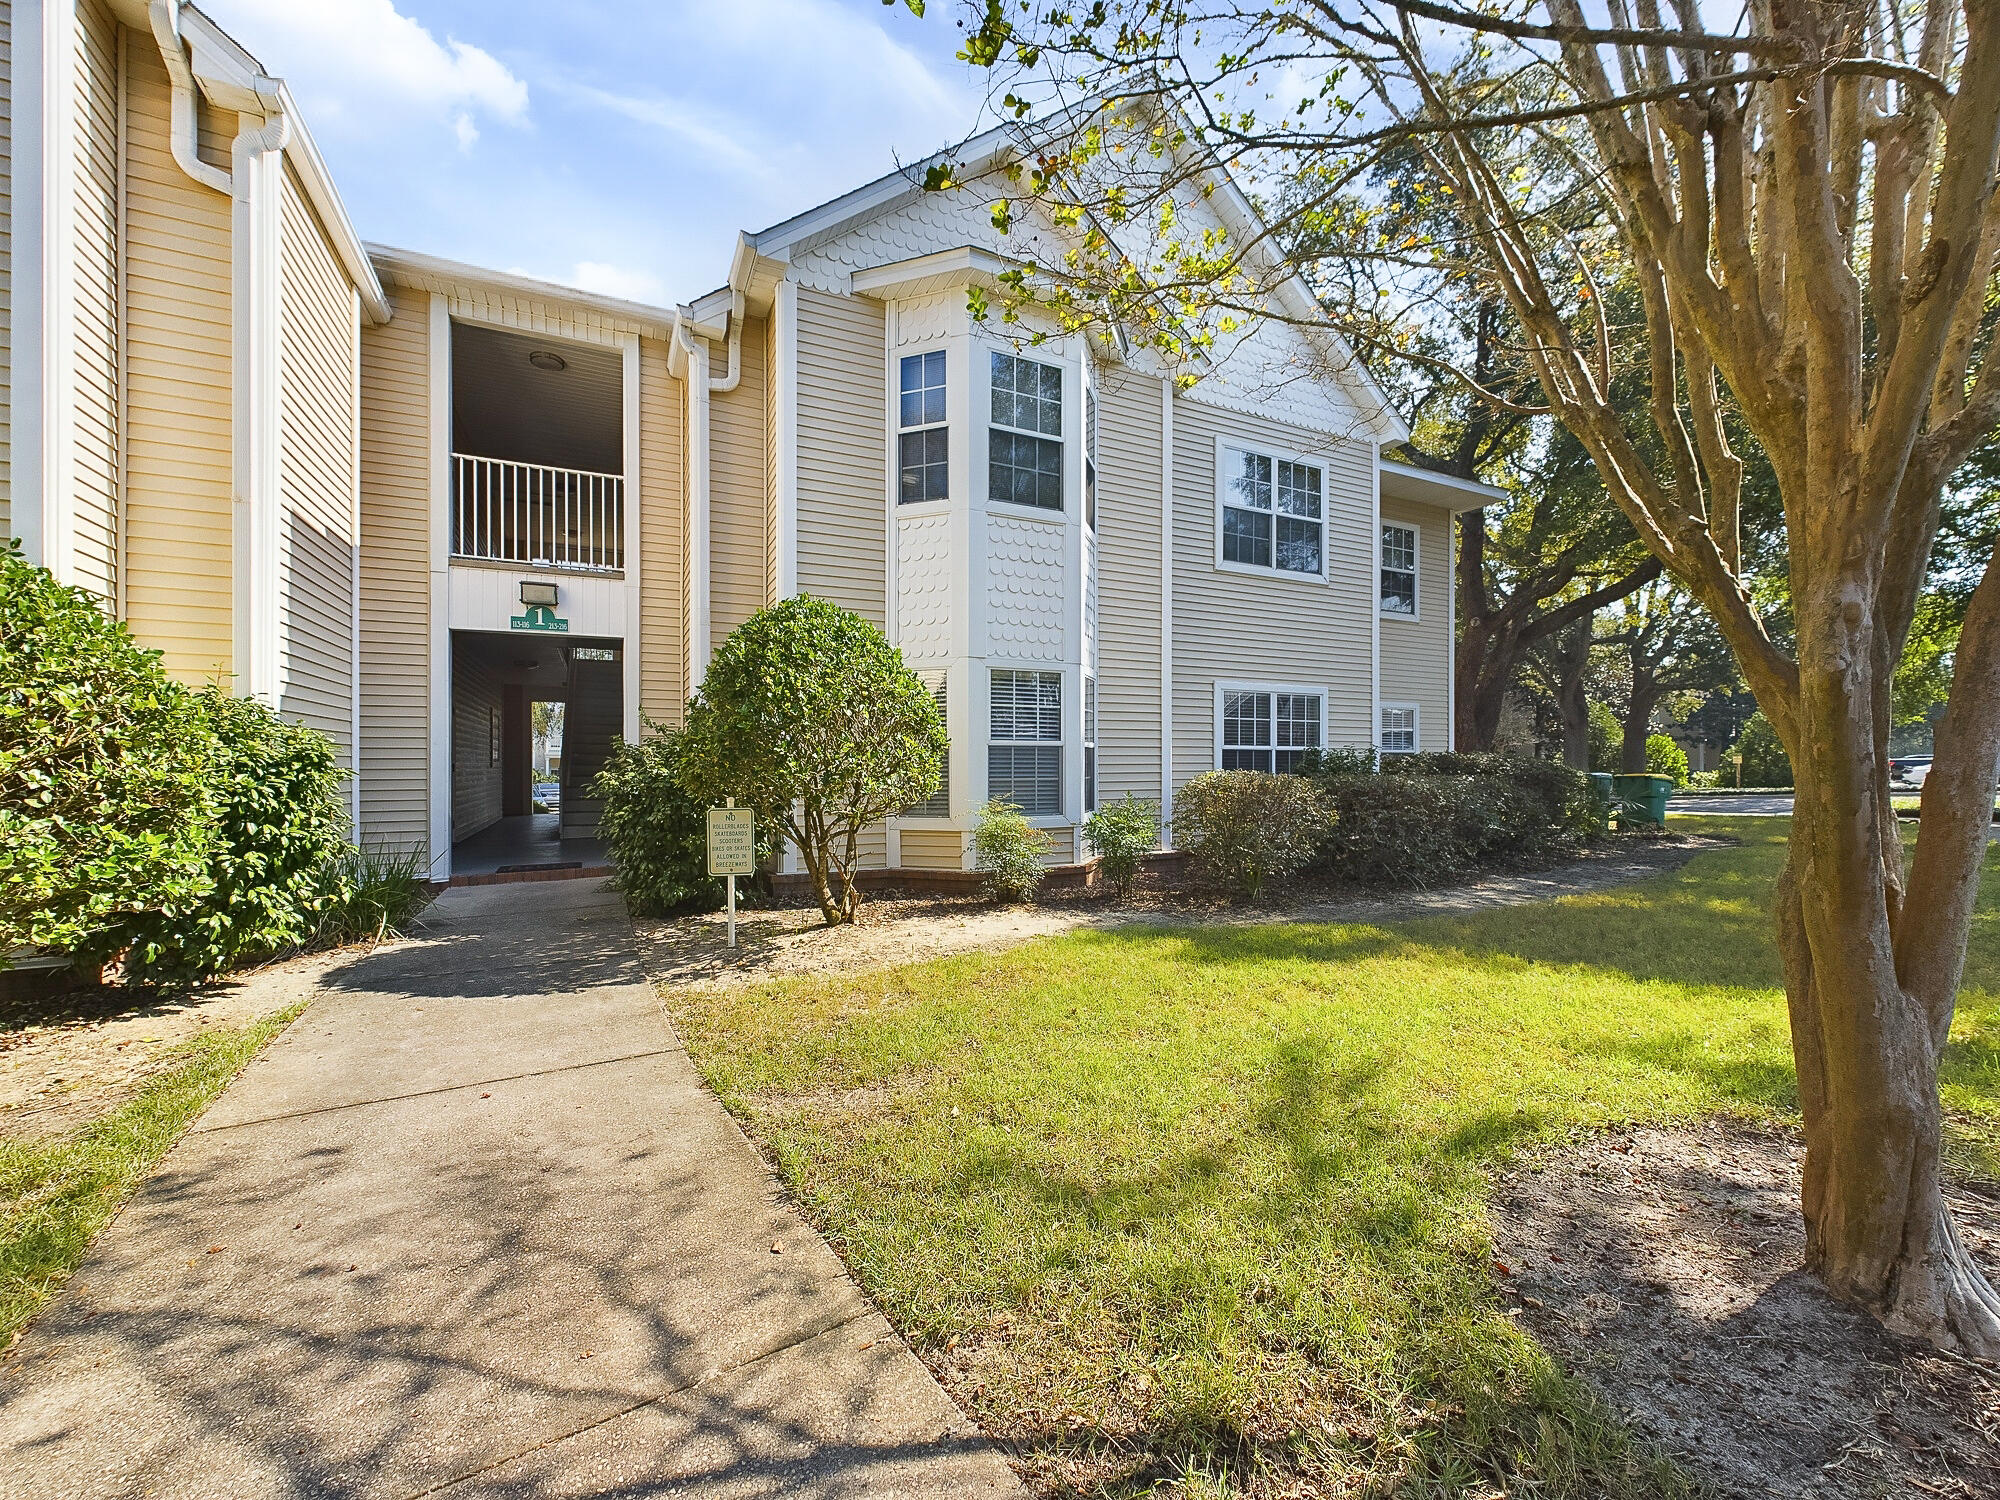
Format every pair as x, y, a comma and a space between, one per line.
923, 442
1024, 749
1024, 444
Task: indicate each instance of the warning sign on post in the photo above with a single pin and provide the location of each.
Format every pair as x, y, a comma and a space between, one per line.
732, 841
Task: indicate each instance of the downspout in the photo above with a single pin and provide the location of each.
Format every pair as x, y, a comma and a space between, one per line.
184, 133
255, 185
701, 386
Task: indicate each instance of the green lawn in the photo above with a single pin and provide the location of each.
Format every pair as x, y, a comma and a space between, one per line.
56, 1194
1214, 1198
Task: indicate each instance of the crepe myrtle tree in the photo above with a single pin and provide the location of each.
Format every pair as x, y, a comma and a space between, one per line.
1805, 208
807, 708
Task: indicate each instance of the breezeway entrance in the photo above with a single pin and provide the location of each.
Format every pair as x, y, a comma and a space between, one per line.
498, 825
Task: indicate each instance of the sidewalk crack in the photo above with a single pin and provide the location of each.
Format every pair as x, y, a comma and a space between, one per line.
559, 1439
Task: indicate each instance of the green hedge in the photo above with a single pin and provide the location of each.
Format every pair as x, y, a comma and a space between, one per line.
275, 859
1423, 819
105, 804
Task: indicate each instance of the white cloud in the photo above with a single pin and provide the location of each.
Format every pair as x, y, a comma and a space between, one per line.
362, 67
617, 281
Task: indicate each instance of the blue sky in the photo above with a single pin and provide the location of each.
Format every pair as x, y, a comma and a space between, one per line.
613, 146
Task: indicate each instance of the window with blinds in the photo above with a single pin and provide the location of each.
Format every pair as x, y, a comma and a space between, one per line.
938, 804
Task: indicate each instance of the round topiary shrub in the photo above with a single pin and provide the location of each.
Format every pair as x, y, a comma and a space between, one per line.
807, 709
106, 806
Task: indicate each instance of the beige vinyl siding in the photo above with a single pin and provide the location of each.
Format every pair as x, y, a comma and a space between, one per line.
1243, 627
842, 469
476, 727
1416, 654
95, 424
662, 538
933, 849
1128, 585
6, 267
395, 575
1062, 842
316, 476
737, 490
178, 558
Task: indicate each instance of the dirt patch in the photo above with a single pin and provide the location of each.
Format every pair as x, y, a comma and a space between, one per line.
66, 1059
1662, 1265
785, 941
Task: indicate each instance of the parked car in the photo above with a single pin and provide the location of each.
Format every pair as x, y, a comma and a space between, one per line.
1909, 770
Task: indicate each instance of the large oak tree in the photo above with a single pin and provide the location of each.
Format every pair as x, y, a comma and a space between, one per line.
1805, 208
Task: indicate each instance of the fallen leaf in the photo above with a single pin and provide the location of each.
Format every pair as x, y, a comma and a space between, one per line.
777, 1248
1503, 1268
215, 1249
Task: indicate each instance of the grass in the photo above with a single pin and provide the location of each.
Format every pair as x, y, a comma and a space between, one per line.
1210, 1203
55, 1195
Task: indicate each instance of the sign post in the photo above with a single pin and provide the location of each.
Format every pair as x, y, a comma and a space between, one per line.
732, 850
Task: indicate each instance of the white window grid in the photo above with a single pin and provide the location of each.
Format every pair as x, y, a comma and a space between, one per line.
1400, 548
1270, 513
1024, 459
1268, 727
1090, 744
923, 439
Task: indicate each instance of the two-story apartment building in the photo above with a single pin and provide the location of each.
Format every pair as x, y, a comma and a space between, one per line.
404, 499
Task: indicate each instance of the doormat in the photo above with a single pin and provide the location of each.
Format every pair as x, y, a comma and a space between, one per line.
573, 864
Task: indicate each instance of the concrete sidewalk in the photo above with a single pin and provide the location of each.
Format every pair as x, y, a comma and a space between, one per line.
472, 1227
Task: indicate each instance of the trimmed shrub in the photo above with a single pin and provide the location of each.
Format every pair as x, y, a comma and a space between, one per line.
1010, 850
105, 803
1765, 762
657, 830
274, 862
1665, 758
1244, 828
1565, 805
809, 711
1121, 835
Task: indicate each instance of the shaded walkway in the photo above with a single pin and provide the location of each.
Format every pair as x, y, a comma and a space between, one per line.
473, 1227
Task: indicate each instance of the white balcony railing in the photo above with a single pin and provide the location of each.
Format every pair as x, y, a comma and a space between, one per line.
502, 511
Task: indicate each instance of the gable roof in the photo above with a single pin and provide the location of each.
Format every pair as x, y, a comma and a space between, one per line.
980, 152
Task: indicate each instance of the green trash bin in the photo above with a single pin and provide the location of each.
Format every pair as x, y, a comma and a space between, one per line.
1643, 798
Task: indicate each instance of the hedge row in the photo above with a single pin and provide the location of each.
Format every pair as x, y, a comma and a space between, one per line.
1415, 820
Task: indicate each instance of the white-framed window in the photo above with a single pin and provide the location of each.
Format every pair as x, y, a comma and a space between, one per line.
923, 438
938, 804
1024, 453
1270, 512
1399, 569
1090, 744
1024, 744
1399, 729
1267, 726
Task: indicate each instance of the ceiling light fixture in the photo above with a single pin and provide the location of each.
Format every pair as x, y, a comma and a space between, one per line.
548, 359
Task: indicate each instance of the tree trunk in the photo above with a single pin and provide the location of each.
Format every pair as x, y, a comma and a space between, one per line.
1638, 729
1867, 1049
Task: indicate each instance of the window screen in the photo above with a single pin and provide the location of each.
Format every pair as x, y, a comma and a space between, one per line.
1399, 730
1273, 513
1268, 730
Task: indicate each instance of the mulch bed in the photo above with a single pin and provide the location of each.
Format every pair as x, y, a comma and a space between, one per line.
1663, 1266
